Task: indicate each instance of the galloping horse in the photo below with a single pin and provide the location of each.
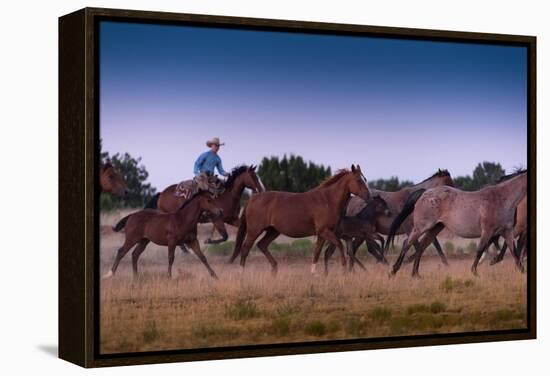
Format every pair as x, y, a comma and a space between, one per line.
396, 200
229, 201
169, 229
482, 214
111, 181
315, 212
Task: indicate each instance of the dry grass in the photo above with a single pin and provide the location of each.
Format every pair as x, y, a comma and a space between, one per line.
193, 311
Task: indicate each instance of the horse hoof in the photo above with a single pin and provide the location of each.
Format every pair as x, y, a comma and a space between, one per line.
416, 276
214, 276
208, 241
107, 275
391, 274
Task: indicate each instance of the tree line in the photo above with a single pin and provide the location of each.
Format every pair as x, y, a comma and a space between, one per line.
289, 173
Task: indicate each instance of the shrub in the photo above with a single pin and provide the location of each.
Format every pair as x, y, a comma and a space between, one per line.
380, 314
150, 333
449, 247
242, 310
280, 326
315, 328
437, 307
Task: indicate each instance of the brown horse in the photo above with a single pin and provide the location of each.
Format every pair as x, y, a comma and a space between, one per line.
396, 200
483, 214
315, 212
111, 181
169, 229
520, 233
229, 201
363, 227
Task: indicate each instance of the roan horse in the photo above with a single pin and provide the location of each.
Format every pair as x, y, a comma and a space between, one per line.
315, 212
396, 200
482, 214
169, 229
361, 226
229, 201
111, 181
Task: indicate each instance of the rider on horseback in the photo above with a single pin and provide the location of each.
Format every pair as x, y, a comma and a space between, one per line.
209, 160
203, 170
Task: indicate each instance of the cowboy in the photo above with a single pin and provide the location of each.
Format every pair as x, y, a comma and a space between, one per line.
210, 160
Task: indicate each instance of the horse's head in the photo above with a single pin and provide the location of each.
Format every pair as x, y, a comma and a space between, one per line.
112, 182
358, 183
245, 176
443, 177
380, 206
206, 203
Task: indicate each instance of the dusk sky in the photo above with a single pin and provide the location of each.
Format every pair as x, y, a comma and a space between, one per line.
397, 107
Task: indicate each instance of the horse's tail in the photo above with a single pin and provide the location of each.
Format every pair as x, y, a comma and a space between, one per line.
240, 237
405, 212
120, 225
152, 203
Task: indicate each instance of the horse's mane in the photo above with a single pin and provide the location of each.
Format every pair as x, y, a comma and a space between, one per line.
334, 178
234, 174
510, 176
439, 173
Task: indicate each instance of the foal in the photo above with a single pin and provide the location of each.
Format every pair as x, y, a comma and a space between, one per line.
169, 229
362, 227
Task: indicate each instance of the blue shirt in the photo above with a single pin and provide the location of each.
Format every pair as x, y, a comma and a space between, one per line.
206, 162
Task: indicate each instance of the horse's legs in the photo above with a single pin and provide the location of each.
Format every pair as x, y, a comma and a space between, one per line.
352, 258
375, 250
483, 244
502, 251
426, 240
316, 253
220, 226
509, 238
195, 246
251, 237
171, 256
270, 235
122, 251
331, 237
136, 253
329, 251
521, 250
411, 239
440, 252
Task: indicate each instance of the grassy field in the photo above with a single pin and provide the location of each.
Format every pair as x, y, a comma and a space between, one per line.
192, 310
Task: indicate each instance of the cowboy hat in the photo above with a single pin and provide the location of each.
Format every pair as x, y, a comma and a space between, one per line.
214, 141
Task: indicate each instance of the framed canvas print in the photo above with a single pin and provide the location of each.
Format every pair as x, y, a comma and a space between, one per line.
237, 187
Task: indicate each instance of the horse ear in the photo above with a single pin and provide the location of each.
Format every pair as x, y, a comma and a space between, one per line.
352, 168
253, 168
358, 168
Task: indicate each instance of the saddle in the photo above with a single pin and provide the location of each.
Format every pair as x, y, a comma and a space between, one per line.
201, 182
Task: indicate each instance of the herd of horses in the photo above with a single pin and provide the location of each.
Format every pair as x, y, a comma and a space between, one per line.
342, 207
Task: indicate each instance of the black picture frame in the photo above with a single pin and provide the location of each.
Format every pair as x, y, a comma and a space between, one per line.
79, 194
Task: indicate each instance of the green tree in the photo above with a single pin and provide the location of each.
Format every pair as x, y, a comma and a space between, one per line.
389, 185
291, 174
485, 173
135, 175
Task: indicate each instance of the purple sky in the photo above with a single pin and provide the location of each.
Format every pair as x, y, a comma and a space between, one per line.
396, 107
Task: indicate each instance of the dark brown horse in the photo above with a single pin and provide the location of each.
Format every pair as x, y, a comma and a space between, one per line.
111, 181
396, 200
315, 212
169, 229
484, 214
363, 227
229, 201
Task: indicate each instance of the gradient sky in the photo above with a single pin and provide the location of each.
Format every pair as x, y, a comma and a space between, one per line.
397, 107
